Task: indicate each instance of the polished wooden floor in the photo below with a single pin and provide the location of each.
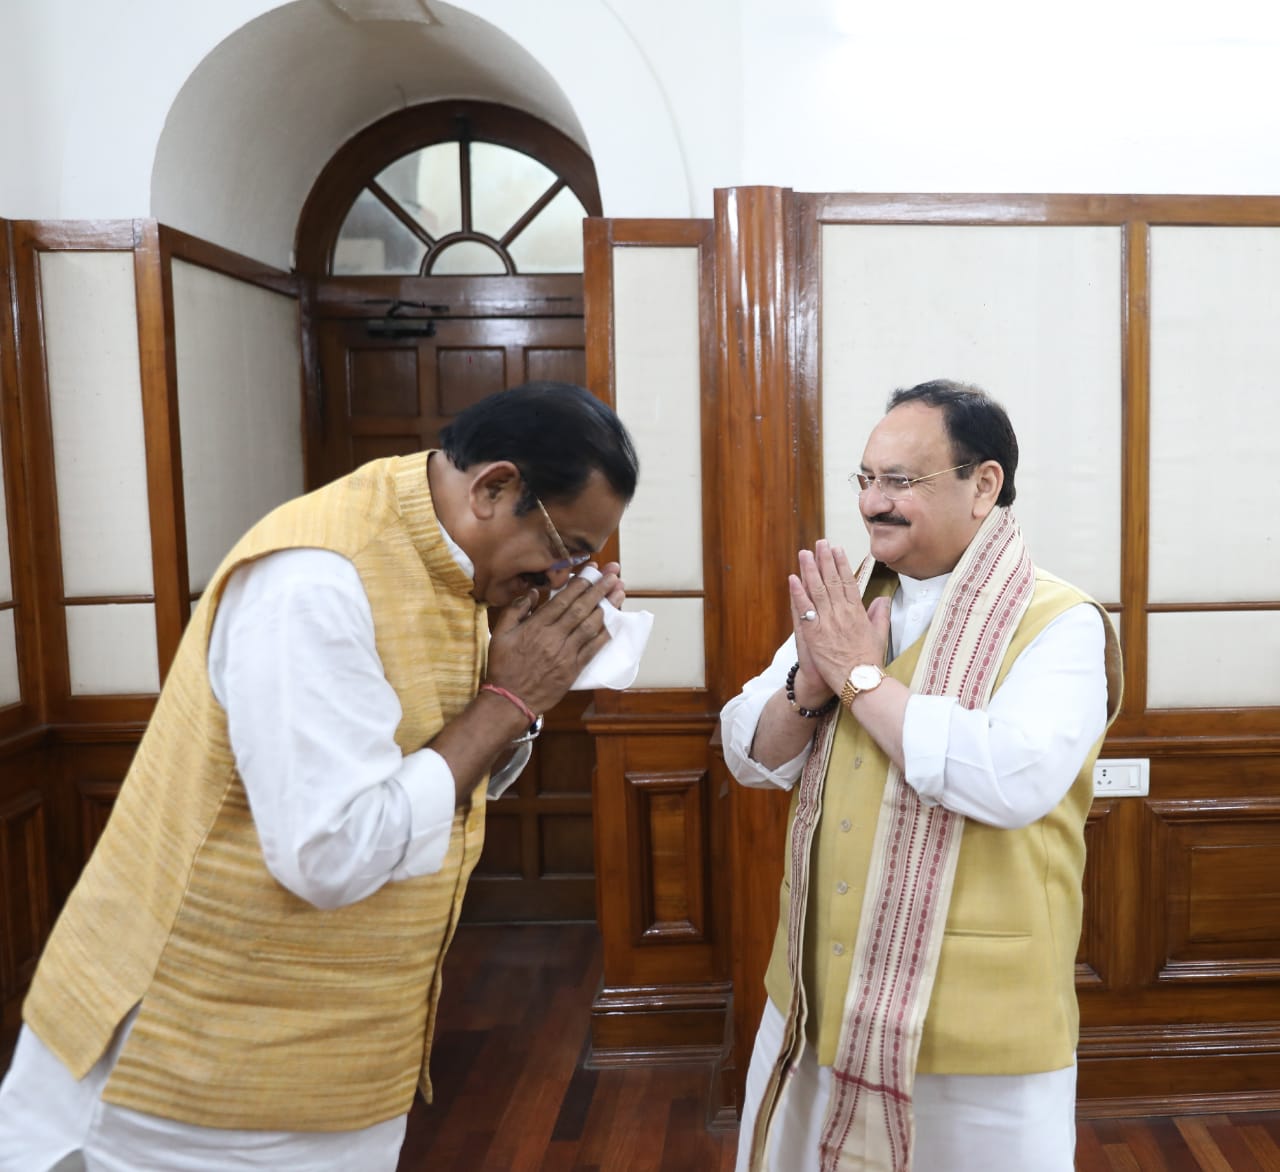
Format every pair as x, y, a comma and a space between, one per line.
513, 1092
511, 1088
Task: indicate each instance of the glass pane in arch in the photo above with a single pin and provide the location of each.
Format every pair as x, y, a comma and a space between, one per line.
427, 185
552, 242
373, 241
466, 258
504, 185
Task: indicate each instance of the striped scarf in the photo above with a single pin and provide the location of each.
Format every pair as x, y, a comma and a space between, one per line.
869, 1124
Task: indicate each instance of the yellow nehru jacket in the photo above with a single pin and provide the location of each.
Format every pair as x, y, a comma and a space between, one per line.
258, 1010
1004, 998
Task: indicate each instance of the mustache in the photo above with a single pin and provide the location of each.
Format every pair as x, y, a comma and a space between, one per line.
536, 579
889, 518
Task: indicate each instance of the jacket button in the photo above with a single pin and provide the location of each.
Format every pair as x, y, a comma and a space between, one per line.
838, 949
842, 887
846, 825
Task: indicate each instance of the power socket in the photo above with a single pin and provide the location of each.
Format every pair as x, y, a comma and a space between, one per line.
1121, 777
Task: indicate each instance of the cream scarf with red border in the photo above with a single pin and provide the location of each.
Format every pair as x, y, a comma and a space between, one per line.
869, 1124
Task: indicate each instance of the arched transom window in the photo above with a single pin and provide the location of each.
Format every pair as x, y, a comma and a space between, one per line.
481, 190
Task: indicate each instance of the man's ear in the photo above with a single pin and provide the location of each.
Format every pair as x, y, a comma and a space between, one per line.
490, 484
988, 480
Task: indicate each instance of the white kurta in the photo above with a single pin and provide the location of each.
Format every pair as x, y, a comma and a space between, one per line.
1006, 765
339, 811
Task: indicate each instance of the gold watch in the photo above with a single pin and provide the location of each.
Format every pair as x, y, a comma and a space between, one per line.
862, 678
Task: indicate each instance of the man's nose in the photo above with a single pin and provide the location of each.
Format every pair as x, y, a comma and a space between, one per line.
872, 500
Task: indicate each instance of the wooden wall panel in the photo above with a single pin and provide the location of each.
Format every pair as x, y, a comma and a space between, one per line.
1177, 962
1214, 874
29, 712
665, 989
63, 757
30, 239
667, 829
24, 874
538, 859
1093, 957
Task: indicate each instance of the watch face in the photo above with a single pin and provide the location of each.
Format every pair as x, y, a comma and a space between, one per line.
864, 676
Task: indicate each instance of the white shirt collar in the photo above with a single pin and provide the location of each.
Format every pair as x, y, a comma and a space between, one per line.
916, 590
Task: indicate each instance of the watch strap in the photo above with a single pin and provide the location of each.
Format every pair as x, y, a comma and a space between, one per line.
851, 691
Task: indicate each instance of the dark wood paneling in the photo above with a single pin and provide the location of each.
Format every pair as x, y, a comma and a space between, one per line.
537, 862
29, 711
649, 806
384, 396
1135, 472
767, 427
668, 834
1093, 956
153, 278
1054, 209
1215, 875
24, 880
37, 441
56, 788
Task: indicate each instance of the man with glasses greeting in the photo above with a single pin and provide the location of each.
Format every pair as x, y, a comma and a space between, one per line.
247, 972
936, 715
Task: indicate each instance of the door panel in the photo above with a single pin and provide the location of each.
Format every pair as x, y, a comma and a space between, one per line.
384, 396
388, 396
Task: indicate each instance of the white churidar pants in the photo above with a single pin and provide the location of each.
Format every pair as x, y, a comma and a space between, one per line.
964, 1122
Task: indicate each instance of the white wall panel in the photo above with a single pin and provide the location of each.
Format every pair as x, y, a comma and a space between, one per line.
659, 397
1213, 659
95, 400
674, 657
1033, 316
239, 408
1215, 350
10, 691
112, 649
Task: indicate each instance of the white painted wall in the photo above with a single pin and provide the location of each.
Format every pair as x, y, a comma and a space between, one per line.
1005, 96
672, 97
239, 368
215, 117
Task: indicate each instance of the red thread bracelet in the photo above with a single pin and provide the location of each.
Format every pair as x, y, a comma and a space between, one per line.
497, 691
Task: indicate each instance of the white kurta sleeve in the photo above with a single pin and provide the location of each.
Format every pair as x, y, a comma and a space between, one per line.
338, 808
738, 722
1011, 763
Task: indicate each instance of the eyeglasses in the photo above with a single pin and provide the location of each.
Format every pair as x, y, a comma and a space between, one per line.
567, 561
895, 486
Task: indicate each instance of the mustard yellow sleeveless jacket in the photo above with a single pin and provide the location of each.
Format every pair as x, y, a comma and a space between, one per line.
1004, 998
258, 1010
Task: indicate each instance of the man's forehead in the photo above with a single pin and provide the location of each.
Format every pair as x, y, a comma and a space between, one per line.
906, 434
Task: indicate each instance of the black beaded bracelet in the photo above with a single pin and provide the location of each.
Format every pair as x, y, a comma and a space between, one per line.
810, 713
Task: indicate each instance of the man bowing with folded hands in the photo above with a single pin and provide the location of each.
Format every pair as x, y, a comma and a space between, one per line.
247, 973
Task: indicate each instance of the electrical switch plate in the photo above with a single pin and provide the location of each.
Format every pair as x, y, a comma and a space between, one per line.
1121, 777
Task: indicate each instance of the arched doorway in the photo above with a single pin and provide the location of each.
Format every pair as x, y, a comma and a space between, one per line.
442, 253
265, 112
444, 250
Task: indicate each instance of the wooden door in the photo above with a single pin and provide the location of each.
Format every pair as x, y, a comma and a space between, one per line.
387, 384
